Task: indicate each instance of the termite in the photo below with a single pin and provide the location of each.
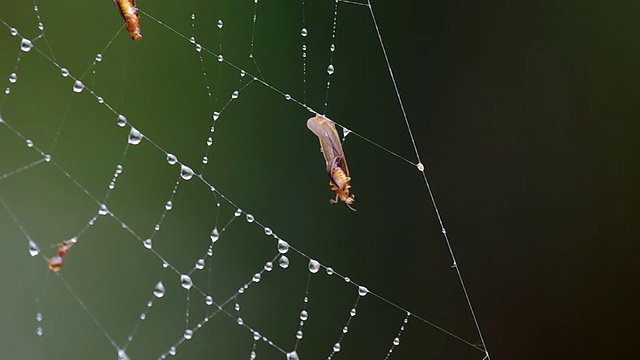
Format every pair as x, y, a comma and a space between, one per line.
336, 163
129, 13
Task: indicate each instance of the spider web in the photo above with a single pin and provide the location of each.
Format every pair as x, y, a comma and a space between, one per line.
197, 199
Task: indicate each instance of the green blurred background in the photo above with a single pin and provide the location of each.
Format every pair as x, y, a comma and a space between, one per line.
524, 114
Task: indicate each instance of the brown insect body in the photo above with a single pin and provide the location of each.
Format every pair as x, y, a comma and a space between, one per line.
336, 163
129, 13
55, 263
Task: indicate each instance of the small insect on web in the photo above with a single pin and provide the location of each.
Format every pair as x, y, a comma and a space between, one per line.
130, 15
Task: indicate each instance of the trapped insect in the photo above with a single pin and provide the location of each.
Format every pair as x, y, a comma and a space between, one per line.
129, 13
55, 263
336, 163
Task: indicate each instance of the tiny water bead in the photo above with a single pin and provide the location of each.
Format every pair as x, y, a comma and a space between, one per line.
13, 78
236, 307
209, 141
215, 115
208, 300
34, 250
293, 356
185, 281
220, 24
332, 48
238, 212
188, 334
420, 167
283, 262
103, 210
220, 58
268, 231
329, 271
99, 57
172, 159
352, 312
147, 243
299, 335
135, 136
185, 172
304, 32
235, 94
250, 218
304, 315
64, 72
172, 351
240, 321
215, 235
122, 120
314, 266
330, 69
169, 205
256, 277
29, 143
200, 264
345, 329
159, 290
13, 31
345, 132
268, 266
198, 47
40, 26
336, 347
78, 86
283, 246
362, 291
396, 341
287, 97
26, 45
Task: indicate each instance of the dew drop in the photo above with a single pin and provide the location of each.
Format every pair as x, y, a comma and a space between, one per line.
256, 277
135, 136
242, 73
220, 24
283, 262
172, 159
362, 291
198, 47
216, 115
193, 16
215, 235
13, 31
250, 218
38, 316
29, 143
208, 300
13, 78
347, 279
100, 100
235, 94
268, 266
47, 157
188, 334
268, 231
240, 321
185, 281
330, 69
103, 210
304, 315
236, 307
314, 266
304, 32
7, 91
169, 205
210, 251
39, 331
420, 167
78, 86
352, 312
336, 347
256, 336
396, 341
220, 58
64, 72
293, 356
172, 350
192, 40
209, 141
332, 47
158, 291
329, 271
99, 57
238, 212
299, 335
345, 329
40, 26
157, 227
147, 243
34, 250
345, 132
200, 264
287, 97
143, 316
26, 45
122, 120
283, 246
186, 172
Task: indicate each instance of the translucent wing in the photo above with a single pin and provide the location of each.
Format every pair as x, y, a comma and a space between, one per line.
330, 143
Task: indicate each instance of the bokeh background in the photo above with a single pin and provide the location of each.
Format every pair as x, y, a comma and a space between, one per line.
524, 114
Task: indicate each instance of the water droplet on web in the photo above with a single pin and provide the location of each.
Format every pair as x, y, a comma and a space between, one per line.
283, 246
314, 266
268, 231
143, 316
240, 321
287, 97
304, 315
64, 72
216, 115
147, 243
39, 331
293, 356
250, 218
103, 210
396, 341
169, 205
192, 40
336, 347
420, 167
99, 57
238, 212
200, 264
26, 45
208, 300
193, 16
242, 73
304, 32
135, 136
186, 172
347, 279
329, 271
13, 31
122, 120
13, 78
172, 351
235, 94
256, 277
352, 312
236, 307
172, 159
330, 69
34, 250
158, 291
40, 26
29, 143
210, 251
215, 235
332, 48
268, 266
256, 336
220, 24
7, 91
220, 58
345, 329
157, 227
198, 47
100, 100
345, 132
188, 334
78, 86
47, 157
185, 281
283, 262
38, 316
209, 141
299, 335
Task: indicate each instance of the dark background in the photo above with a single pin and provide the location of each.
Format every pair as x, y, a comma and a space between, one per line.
524, 114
